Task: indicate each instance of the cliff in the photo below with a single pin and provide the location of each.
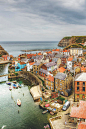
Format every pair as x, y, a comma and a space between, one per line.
71, 40
2, 51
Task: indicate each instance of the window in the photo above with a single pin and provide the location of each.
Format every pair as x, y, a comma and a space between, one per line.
56, 82
61, 84
77, 88
83, 88
77, 83
83, 83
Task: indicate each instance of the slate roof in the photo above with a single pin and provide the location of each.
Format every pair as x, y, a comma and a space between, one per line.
60, 76
43, 71
80, 77
55, 59
50, 64
59, 56
37, 64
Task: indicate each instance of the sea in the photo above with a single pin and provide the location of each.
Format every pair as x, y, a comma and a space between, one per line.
30, 114
14, 47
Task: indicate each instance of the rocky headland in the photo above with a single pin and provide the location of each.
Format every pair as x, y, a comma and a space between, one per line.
71, 40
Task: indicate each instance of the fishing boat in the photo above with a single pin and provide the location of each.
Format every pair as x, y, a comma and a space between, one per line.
10, 88
45, 111
19, 85
18, 102
15, 86
8, 83
47, 127
52, 113
14, 82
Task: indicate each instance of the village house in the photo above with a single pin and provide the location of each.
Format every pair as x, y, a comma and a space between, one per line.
76, 51
20, 66
51, 66
44, 73
69, 63
39, 59
30, 66
36, 67
56, 51
64, 59
78, 113
61, 70
57, 61
50, 82
66, 52
63, 83
80, 86
23, 58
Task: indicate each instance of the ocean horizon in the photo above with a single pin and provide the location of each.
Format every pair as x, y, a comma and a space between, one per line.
14, 47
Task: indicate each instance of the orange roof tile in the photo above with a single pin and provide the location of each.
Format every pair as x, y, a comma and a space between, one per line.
79, 112
31, 63
49, 52
39, 53
22, 63
70, 59
57, 50
50, 78
82, 125
61, 69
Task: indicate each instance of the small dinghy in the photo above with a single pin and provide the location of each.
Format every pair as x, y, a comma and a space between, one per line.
8, 83
10, 88
18, 102
45, 111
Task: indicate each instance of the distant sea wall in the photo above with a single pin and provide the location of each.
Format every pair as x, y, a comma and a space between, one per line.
31, 77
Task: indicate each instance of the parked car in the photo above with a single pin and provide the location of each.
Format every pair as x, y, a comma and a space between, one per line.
66, 106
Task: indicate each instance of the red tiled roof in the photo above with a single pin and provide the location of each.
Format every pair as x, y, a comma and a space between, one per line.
57, 50
70, 59
50, 78
39, 53
79, 112
82, 125
31, 63
83, 68
61, 69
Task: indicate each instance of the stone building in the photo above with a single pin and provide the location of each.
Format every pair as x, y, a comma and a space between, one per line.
63, 83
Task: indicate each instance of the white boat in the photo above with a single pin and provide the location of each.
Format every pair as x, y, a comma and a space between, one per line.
8, 83
3, 126
18, 102
10, 88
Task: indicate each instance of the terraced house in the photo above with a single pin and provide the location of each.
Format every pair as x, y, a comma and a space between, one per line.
36, 67
50, 82
63, 83
51, 66
80, 86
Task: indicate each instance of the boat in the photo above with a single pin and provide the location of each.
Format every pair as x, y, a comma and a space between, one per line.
45, 111
47, 127
52, 113
18, 102
15, 86
8, 83
14, 82
19, 85
10, 88
3, 126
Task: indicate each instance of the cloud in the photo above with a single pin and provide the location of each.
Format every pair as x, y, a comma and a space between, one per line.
41, 19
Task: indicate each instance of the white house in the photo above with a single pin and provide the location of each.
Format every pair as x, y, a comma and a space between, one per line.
30, 66
69, 63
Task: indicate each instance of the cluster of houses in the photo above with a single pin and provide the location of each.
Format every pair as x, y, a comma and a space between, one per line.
57, 69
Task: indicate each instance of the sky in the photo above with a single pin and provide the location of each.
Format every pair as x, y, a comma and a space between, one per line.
41, 20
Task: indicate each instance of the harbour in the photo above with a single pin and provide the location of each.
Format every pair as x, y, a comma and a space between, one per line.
28, 116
